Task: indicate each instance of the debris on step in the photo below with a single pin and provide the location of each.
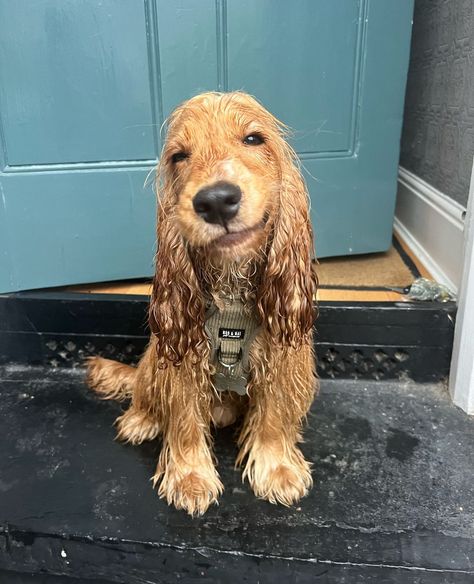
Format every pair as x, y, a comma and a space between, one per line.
426, 290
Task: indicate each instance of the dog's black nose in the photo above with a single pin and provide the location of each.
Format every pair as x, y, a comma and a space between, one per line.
218, 203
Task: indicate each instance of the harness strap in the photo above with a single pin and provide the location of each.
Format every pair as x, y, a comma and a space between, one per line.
231, 332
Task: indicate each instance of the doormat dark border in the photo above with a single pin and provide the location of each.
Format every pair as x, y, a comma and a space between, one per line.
362, 340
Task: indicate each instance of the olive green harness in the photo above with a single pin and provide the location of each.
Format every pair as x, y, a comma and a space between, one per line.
231, 331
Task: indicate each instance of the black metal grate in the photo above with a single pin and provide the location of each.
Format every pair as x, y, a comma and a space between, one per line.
363, 362
60, 352
333, 361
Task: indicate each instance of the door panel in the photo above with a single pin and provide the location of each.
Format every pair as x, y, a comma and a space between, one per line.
340, 87
353, 198
85, 87
95, 223
75, 83
302, 62
80, 133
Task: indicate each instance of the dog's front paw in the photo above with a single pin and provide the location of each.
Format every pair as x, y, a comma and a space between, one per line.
191, 490
135, 427
284, 481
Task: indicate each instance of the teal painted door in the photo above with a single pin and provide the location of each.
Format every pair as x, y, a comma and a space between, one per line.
85, 86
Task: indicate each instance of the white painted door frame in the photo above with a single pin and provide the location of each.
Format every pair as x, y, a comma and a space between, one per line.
461, 380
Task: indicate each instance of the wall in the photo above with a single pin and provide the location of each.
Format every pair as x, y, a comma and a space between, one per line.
438, 132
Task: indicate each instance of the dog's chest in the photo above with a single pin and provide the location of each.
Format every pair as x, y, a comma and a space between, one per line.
231, 329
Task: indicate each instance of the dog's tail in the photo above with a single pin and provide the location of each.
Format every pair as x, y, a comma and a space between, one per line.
110, 379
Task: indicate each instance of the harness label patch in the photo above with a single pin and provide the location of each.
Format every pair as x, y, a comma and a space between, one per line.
231, 333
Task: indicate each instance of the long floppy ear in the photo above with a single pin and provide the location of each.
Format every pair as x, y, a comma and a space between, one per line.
176, 314
285, 298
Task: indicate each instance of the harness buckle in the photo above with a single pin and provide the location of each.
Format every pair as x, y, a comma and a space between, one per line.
229, 366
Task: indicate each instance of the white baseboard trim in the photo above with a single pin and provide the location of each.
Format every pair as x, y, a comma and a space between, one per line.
432, 226
424, 256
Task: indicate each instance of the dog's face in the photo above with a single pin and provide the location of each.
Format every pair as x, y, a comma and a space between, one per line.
222, 159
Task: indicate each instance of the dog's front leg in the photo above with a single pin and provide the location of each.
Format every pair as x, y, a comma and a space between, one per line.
186, 473
281, 393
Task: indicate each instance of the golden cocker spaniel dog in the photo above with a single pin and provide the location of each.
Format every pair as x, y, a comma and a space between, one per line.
231, 311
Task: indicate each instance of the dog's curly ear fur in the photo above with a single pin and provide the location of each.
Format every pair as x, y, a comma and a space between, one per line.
286, 296
176, 314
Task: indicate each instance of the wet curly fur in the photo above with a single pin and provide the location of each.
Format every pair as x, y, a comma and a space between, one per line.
269, 264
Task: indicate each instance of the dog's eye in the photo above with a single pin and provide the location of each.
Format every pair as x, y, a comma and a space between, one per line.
178, 156
254, 139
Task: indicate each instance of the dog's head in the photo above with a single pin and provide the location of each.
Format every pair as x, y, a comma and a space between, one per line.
229, 187
223, 161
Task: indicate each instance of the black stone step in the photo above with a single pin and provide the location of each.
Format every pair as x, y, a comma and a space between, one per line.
393, 499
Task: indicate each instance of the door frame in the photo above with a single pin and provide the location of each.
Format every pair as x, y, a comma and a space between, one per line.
461, 380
